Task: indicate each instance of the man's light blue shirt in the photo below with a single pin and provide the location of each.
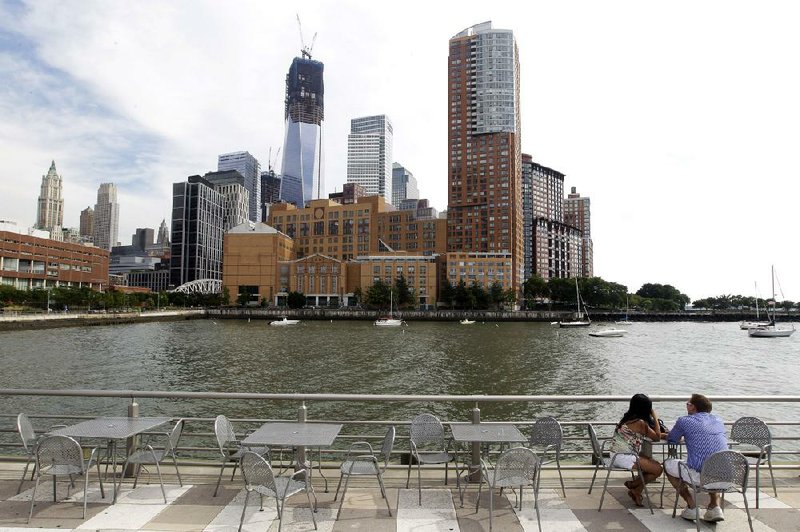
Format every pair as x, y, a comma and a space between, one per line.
704, 435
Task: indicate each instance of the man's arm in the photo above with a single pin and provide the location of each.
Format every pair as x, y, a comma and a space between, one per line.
677, 431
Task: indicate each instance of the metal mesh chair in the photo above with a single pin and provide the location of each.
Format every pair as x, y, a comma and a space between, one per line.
429, 446
150, 456
28, 437
366, 463
723, 472
62, 456
259, 477
754, 432
230, 449
516, 467
547, 436
604, 459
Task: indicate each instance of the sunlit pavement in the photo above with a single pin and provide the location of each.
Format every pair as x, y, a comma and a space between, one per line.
192, 506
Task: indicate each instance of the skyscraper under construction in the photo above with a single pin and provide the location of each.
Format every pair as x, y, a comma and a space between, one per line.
302, 176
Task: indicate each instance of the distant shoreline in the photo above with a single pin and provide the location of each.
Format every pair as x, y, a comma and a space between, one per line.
43, 321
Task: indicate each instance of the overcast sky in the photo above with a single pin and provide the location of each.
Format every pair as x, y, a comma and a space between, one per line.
679, 120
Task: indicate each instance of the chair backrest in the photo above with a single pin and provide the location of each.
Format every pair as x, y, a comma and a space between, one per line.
427, 429
516, 466
596, 448
257, 471
751, 431
724, 471
547, 431
26, 432
223, 429
59, 451
175, 436
388, 445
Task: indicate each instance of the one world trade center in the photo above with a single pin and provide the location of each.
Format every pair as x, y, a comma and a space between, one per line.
302, 176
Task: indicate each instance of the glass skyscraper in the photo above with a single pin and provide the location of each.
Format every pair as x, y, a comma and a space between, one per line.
369, 155
302, 177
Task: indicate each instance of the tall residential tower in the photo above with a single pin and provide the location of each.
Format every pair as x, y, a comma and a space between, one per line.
369, 155
484, 212
250, 168
50, 209
302, 177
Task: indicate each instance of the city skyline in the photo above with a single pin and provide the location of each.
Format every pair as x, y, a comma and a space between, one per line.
644, 110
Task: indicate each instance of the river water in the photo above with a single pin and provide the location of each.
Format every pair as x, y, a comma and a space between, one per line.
423, 358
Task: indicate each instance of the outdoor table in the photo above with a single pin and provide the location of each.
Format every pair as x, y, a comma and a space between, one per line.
298, 435
483, 433
111, 429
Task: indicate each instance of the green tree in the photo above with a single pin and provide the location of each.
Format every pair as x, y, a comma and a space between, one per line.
534, 288
561, 290
379, 295
226, 296
496, 295
403, 296
448, 294
478, 297
296, 300
462, 297
358, 294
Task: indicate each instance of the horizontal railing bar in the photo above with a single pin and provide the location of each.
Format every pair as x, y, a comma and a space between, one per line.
138, 394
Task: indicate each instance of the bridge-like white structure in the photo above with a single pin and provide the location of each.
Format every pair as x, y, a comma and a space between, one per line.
201, 286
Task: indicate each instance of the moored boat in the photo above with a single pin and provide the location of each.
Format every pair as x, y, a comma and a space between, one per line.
466, 321
771, 330
583, 316
609, 333
284, 322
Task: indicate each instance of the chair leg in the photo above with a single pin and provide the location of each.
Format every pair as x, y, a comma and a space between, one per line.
341, 502
605, 487
419, 482
235, 465
100, 479
161, 481
596, 468
244, 509
85, 491
219, 479
339, 485
758, 478
33, 498
491, 506
772, 476
25, 473
536, 504
177, 471
478, 500
646, 493
383, 491
747, 509
313, 507
560, 477
408, 477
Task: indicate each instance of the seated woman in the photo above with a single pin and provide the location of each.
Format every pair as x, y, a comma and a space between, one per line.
631, 431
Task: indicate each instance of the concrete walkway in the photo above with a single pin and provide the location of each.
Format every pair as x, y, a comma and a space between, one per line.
192, 506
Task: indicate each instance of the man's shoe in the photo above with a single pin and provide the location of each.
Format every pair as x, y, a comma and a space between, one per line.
688, 514
714, 515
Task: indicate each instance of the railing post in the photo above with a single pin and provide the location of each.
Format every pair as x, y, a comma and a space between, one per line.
131, 443
302, 416
475, 475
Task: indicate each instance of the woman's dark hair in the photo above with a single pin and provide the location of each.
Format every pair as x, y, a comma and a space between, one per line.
640, 408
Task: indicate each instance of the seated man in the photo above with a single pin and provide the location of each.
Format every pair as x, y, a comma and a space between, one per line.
704, 435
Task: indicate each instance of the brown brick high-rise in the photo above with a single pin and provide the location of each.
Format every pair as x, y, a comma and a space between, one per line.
484, 212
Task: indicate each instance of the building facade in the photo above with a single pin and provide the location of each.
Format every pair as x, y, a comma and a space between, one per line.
302, 177
106, 217
198, 211
86, 226
484, 212
231, 185
369, 155
252, 259
270, 192
577, 213
50, 207
30, 262
250, 170
349, 194
404, 185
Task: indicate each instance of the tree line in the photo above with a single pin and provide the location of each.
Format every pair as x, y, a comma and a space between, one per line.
727, 302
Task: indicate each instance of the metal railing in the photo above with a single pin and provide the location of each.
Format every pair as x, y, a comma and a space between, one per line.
199, 442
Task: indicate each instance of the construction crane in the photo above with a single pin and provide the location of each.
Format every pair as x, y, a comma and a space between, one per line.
270, 161
305, 50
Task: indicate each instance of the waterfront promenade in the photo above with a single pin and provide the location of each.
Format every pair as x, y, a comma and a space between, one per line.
192, 507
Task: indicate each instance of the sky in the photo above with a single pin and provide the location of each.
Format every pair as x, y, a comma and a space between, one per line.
680, 120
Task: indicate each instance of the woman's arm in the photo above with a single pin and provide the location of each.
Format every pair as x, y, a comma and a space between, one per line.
654, 434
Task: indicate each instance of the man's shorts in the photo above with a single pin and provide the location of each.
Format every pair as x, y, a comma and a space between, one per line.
673, 470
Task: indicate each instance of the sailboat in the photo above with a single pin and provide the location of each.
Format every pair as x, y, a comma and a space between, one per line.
625, 320
583, 317
771, 330
745, 325
389, 321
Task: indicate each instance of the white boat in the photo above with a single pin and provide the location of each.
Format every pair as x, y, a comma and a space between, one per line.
284, 322
745, 325
771, 330
606, 333
389, 321
583, 317
465, 321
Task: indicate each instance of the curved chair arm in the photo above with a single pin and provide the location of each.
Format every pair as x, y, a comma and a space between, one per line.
302, 471
92, 459
413, 447
354, 447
